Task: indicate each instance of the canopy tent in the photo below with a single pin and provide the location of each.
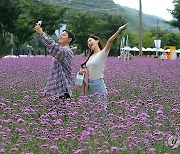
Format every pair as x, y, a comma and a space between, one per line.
134, 49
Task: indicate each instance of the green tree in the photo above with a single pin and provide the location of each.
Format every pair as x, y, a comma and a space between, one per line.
9, 12
31, 12
50, 16
148, 40
167, 38
113, 22
23, 30
172, 39
176, 14
82, 24
103, 25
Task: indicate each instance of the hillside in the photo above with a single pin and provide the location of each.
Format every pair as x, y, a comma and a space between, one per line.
108, 6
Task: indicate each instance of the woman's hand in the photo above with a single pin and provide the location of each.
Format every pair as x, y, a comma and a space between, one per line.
111, 39
38, 29
123, 27
82, 71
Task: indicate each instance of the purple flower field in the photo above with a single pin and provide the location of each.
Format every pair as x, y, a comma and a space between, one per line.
143, 109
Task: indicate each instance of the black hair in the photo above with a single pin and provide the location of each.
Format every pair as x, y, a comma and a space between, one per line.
100, 44
70, 35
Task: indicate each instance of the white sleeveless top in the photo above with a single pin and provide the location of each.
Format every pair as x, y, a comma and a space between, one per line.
96, 64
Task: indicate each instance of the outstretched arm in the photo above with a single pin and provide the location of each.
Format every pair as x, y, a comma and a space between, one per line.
46, 40
54, 48
113, 37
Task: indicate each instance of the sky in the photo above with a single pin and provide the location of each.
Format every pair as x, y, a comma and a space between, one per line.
151, 7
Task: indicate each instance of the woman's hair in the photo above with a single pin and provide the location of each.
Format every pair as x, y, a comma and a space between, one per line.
90, 53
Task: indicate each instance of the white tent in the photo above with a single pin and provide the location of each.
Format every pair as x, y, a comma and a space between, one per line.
134, 49
127, 48
149, 49
144, 49
178, 51
167, 50
10, 56
160, 50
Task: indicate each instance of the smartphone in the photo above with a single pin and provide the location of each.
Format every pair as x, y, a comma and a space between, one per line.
39, 23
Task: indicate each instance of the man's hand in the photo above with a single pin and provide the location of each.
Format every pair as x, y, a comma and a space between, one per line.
38, 29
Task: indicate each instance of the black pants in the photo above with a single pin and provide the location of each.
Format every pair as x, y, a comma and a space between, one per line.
65, 96
62, 106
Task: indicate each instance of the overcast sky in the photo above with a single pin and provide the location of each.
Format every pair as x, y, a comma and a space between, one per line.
152, 7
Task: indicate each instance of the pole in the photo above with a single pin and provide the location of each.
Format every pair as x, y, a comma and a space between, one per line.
157, 39
12, 44
127, 45
140, 28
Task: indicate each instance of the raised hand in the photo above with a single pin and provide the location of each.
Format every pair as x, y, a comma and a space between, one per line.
123, 27
38, 29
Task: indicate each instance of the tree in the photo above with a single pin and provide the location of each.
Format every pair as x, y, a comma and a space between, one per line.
23, 30
176, 14
148, 39
9, 12
50, 16
103, 25
167, 38
113, 22
31, 12
82, 24
172, 39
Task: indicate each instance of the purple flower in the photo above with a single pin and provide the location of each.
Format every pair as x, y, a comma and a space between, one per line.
85, 135
2, 133
53, 148
57, 122
20, 121
158, 124
114, 149
139, 90
8, 121
159, 112
2, 151
79, 151
14, 149
91, 131
2, 105
152, 151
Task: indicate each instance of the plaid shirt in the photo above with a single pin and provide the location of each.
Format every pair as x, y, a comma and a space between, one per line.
59, 81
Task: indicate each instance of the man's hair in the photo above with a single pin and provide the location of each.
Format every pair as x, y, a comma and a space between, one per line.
70, 35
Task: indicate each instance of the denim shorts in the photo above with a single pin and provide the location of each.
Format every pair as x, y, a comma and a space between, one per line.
98, 91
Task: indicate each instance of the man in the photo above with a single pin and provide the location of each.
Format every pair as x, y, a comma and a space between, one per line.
59, 82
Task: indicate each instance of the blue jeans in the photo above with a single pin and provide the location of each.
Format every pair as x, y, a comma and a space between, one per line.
98, 91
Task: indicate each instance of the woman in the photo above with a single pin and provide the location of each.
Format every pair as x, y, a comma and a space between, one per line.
95, 64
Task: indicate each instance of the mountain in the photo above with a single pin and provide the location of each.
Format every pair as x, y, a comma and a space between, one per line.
108, 6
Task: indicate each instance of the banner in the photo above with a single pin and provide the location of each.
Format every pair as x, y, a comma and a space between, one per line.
59, 31
157, 43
